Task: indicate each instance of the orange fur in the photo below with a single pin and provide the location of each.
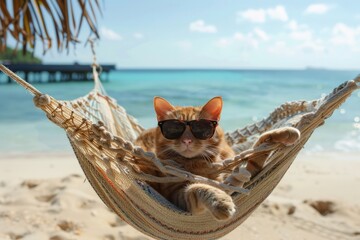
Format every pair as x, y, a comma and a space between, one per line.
194, 157
285, 135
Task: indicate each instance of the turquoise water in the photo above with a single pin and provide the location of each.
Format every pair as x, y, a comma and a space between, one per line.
249, 95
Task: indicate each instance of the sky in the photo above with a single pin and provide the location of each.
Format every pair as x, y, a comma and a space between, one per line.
223, 34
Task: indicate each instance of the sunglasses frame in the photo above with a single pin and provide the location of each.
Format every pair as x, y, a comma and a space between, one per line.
188, 123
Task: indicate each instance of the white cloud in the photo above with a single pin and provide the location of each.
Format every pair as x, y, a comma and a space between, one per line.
138, 35
310, 46
261, 34
253, 38
299, 32
200, 26
344, 35
318, 8
305, 38
316, 46
304, 35
260, 15
110, 34
293, 25
254, 15
278, 13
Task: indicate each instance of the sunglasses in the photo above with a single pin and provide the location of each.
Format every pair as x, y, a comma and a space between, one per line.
201, 129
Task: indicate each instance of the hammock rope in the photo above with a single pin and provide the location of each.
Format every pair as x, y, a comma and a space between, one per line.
102, 135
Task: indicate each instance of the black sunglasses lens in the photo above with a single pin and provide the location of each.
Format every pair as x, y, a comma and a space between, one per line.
202, 129
172, 129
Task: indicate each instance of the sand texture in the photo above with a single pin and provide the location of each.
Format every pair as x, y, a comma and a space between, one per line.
48, 197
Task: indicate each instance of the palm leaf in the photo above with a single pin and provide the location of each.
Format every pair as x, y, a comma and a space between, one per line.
26, 21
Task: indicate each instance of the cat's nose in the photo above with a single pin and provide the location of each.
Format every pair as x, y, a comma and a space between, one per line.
187, 141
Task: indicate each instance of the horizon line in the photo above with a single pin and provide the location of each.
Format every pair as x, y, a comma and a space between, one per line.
144, 68
230, 69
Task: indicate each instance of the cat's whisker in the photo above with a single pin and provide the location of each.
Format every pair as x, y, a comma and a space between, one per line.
211, 152
209, 155
219, 148
165, 150
206, 158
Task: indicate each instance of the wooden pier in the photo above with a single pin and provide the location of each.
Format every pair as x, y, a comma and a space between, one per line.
56, 72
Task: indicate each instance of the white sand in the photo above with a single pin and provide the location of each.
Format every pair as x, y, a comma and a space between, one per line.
47, 197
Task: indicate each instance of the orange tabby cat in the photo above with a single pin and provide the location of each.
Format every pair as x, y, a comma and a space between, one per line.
193, 145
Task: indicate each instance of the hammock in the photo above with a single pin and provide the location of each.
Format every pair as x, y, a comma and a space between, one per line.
101, 134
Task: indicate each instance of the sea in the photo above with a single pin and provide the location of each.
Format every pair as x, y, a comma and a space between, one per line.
248, 95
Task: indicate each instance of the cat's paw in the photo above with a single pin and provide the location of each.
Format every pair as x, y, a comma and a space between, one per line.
223, 209
286, 135
199, 196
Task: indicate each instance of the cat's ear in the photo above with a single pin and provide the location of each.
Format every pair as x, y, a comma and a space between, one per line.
212, 109
162, 108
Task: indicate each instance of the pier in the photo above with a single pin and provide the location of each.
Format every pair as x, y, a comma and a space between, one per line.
56, 72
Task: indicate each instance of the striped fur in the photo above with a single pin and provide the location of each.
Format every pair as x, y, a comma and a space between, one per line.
194, 157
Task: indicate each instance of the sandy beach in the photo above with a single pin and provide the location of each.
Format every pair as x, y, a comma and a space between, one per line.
47, 197
90, 71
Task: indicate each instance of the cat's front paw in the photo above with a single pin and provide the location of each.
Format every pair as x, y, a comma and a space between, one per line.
286, 135
223, 209
199, 196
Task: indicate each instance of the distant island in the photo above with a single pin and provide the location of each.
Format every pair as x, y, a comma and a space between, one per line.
315, 68
10, 55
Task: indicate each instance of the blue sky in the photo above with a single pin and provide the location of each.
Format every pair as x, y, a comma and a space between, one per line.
224, 34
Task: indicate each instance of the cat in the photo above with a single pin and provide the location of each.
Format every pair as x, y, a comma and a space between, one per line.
174, 139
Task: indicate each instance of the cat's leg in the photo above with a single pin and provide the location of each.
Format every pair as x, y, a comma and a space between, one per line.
285, 135
199, 196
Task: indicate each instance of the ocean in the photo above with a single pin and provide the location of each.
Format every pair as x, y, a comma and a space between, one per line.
249, 95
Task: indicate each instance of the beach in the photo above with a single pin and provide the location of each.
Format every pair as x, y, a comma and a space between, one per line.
273, 65
45, 195
48, 197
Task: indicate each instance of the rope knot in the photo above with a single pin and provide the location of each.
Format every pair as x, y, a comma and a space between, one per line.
41, 100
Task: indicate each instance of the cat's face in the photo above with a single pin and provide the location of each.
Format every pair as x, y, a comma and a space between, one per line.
187, 145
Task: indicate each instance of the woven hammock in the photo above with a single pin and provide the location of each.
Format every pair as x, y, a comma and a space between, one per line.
102, 135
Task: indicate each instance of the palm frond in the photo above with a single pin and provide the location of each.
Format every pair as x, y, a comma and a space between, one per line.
46, 21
